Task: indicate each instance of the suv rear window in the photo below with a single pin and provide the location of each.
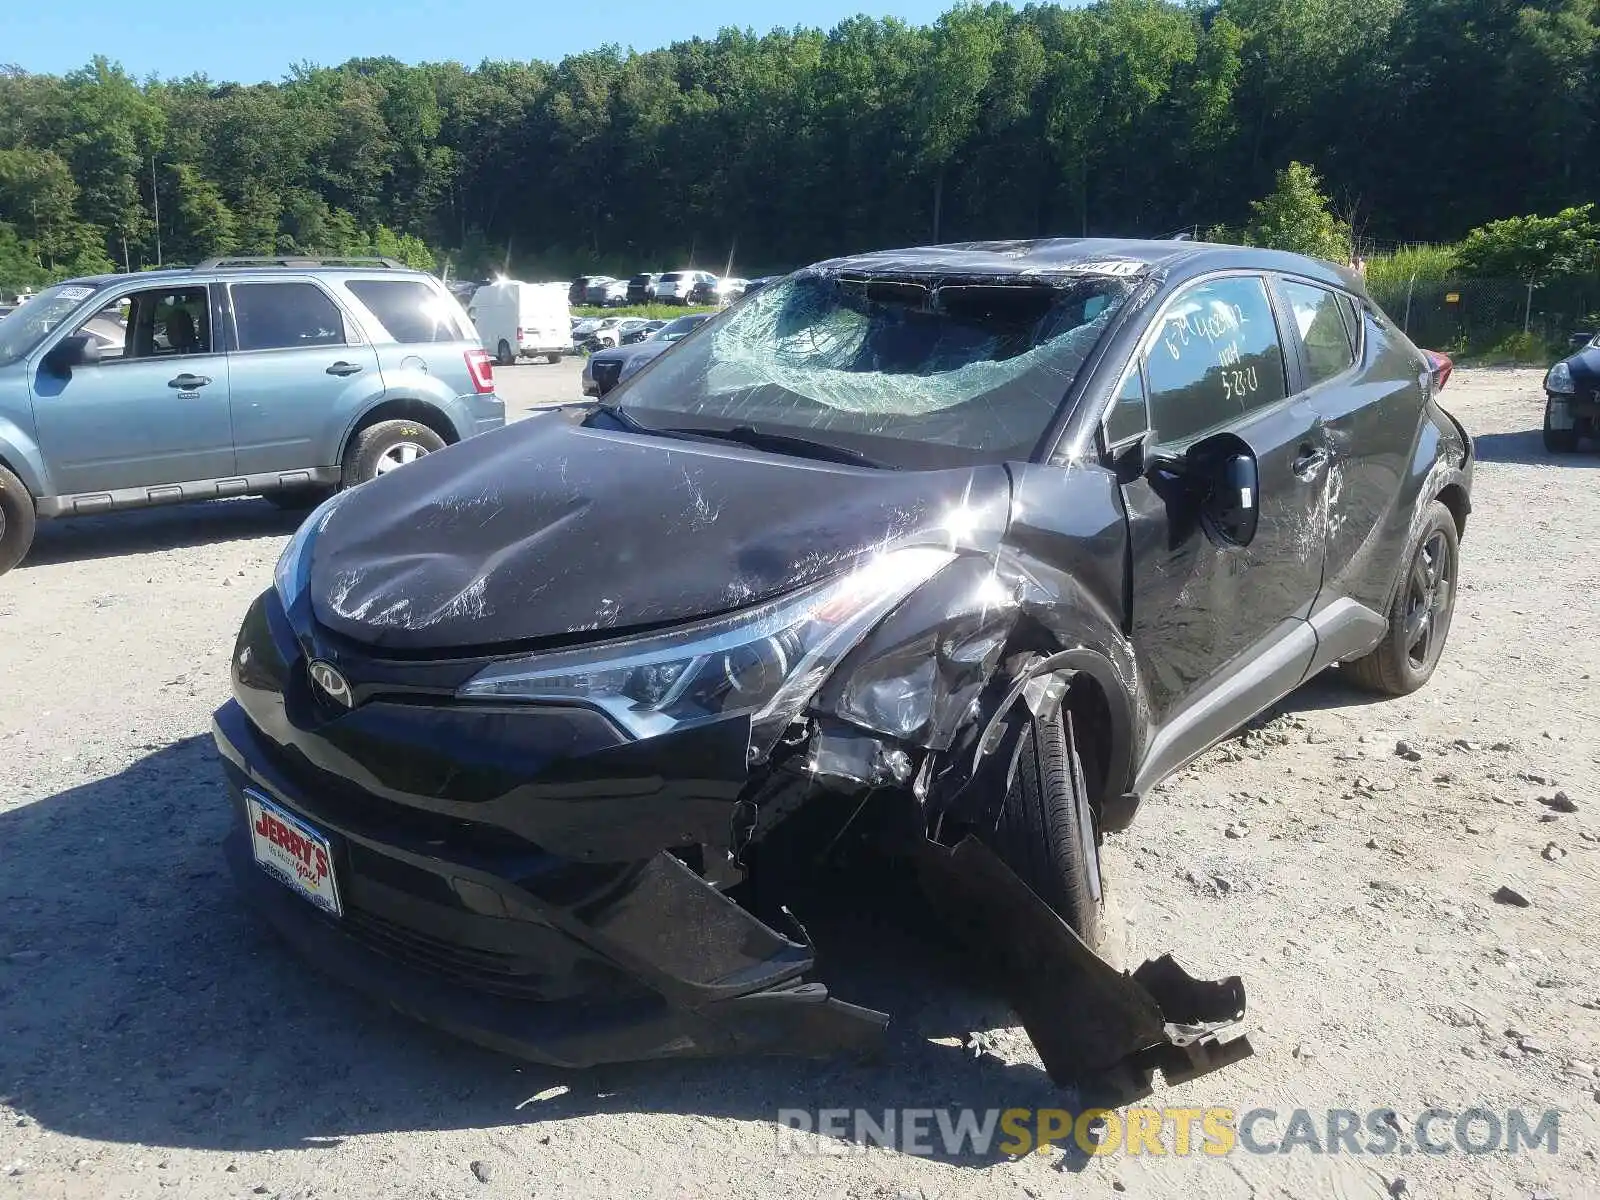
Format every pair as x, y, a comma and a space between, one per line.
285, 316
672, 277
409, 309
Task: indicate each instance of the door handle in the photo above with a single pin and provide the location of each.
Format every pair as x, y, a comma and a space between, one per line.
187, 382
1309, 461
344, 368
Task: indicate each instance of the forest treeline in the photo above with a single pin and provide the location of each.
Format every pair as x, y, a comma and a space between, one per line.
1423, 118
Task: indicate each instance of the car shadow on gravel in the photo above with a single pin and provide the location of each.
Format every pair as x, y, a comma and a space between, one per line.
145, 1005
1527, 448
152, 529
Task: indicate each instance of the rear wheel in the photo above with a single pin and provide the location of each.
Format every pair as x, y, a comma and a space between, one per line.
1419, 615
1046, 832
552, 359
1559, 441
17, 520
383, 447
503, 354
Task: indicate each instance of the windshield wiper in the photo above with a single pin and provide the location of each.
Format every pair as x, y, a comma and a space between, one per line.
785, 443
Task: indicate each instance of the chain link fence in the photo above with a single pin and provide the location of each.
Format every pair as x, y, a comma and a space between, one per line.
1507, 318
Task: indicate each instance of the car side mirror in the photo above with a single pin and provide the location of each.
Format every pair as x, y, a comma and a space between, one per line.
79, 350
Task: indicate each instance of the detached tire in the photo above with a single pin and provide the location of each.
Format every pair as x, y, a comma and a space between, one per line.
380, 448
503, 355
1559, 441
552, 359
1046, 830
1420, 613
17, 520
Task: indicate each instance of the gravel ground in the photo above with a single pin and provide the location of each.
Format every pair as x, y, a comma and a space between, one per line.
157, 1042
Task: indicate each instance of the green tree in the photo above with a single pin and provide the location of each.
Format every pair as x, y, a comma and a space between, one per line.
1295, 216
1533, 248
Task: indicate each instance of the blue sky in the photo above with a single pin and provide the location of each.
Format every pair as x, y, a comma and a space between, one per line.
259, 39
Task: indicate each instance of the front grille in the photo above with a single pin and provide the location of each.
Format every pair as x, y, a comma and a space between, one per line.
483, 970
606, 374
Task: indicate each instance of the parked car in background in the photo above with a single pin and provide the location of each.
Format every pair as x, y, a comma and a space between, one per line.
678, 287
605, 292
967, 584
516, 319
755, 285
6, 310
578, 289
1572, 397
285, 378
608, 367
643, 330
704, 290
728, 289
599, 333
641, 287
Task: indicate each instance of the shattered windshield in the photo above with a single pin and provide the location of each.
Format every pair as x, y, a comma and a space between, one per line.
37, 316
972, 364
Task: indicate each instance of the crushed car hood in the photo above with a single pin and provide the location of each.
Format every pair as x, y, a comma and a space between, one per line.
549, 530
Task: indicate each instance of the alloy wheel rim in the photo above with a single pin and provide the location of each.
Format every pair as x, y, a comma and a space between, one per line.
1430, 589
398, 455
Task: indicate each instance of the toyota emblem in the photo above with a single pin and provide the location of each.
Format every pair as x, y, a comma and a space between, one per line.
333, 684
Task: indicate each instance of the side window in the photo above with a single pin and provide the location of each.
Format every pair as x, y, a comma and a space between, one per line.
409, 309
1352, 320
277, 316
161, 323
1215, 357
1126, 418
1320, 325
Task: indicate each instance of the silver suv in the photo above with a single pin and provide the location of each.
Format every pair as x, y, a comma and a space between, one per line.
285, 378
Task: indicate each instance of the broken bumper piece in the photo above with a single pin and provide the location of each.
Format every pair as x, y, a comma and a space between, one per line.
1095, 1027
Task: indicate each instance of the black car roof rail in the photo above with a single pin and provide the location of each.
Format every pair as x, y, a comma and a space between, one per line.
299, 260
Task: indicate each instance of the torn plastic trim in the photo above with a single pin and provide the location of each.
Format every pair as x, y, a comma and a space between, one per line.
1103, 1030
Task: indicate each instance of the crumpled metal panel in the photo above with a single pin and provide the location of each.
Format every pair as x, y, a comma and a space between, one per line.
549, 530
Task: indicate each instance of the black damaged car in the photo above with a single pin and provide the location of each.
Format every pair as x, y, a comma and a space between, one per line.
962, 549
1572, 397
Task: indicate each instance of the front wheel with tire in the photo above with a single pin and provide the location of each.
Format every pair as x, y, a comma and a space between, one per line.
1559, 441
381, 448
1046, 832
17, 518
1419, 614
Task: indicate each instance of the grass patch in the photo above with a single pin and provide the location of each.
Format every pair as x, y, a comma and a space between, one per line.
1429, 264
653, 312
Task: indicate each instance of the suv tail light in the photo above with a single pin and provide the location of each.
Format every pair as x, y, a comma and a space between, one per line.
519, 333
481, 367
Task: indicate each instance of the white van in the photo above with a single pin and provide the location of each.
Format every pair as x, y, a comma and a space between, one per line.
515, 318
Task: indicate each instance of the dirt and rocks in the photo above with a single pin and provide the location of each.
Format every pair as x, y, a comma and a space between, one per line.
1410, 889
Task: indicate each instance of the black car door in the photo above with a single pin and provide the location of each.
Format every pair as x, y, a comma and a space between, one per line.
1368, 389
1219, 630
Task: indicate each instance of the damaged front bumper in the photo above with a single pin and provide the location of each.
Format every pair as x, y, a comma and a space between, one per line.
518, 880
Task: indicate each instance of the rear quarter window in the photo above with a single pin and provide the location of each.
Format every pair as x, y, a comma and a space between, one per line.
410, 311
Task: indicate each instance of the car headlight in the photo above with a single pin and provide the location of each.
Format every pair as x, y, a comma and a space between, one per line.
293, 571
764, 661
1559, 380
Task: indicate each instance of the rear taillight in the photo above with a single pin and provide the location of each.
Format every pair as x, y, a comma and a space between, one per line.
481, 367
1441, 367
519, 333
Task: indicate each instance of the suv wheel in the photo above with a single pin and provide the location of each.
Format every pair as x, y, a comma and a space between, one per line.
381, 448
1419, 615
17, 520
1559, 441
503, 354
1046, 830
